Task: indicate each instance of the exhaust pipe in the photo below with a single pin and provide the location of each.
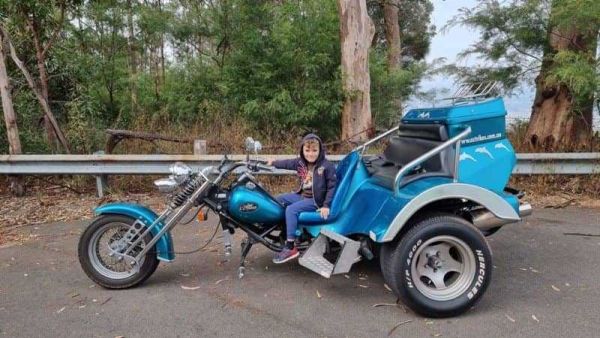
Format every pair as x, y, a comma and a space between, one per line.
485, 220
525, 210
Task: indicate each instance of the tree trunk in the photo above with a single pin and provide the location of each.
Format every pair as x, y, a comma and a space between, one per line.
356, 33
392, 36
43, 102
12, 130
556, 122
392, 32
132, 58
40, 57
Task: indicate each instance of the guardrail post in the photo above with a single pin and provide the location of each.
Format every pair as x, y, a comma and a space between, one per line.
199, 147
101, 180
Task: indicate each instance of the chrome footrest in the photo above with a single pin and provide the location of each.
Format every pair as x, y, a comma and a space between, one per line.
313, 258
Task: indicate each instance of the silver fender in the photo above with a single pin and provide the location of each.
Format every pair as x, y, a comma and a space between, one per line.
488, 199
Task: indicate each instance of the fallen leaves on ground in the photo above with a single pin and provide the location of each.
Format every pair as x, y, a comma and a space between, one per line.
398, 325
385, 304
56, 206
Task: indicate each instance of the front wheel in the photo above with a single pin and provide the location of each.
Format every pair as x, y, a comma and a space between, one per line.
440, 268
96, 253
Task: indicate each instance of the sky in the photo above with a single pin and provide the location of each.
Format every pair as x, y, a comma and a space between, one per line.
450, 43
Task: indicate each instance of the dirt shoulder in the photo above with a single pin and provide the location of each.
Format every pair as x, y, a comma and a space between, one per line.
58, 204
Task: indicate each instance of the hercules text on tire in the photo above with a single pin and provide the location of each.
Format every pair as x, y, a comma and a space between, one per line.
441, 267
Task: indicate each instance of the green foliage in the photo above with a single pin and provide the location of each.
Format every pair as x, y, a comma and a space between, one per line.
574, 70
269, 65
515, 41
283, 70
513, 36
416, 32
389, 87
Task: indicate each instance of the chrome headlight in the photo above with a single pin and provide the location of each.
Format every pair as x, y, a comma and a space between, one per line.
180, 172
166, 185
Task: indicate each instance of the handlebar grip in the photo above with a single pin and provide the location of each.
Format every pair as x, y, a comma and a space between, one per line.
264, 167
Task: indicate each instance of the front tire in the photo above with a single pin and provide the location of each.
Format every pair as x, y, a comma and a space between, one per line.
440, 268
107, 271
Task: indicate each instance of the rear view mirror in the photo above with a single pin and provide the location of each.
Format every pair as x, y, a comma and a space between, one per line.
252, 146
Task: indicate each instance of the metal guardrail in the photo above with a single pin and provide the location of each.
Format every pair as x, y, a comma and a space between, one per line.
527, 164
102, 165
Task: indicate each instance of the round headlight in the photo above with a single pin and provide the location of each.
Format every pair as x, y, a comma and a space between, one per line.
180, 171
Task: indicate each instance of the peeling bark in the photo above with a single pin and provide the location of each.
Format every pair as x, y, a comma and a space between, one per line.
356, 33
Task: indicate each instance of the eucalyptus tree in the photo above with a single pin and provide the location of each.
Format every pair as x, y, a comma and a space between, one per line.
547, 43
39, 24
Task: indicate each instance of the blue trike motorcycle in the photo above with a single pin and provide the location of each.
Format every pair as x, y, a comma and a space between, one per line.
423, 207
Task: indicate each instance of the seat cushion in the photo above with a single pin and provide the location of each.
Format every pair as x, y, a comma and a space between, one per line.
411, 142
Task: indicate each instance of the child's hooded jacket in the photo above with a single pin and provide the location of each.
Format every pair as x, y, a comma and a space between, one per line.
324, 179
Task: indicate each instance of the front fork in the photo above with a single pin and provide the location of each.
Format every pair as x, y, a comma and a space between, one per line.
137, 231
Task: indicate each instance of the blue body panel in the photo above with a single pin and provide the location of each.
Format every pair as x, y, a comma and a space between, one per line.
370, 208
254, 206
164, 246
486, 158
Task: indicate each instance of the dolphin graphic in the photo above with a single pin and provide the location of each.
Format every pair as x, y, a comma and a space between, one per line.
501, 146
465, 156
483, 150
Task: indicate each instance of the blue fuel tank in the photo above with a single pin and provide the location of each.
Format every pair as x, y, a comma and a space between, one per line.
251, 204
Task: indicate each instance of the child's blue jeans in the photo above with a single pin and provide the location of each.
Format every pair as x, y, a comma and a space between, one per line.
295, 204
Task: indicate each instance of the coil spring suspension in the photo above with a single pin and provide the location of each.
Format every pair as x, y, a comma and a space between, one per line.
186, 192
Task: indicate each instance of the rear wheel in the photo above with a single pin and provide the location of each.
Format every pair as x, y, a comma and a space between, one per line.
96, 250
441, 267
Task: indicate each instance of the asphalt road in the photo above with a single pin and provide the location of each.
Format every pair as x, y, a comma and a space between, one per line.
545, 284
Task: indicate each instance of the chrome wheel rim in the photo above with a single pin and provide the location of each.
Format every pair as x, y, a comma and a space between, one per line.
99, 252
443, 268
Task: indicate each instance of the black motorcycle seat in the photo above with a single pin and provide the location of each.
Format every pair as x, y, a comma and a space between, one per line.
411, 142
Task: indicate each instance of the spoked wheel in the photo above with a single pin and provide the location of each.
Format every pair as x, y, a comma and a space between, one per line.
97, 247
440, 268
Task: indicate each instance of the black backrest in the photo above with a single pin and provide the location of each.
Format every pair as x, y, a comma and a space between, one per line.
432, 131
414, 140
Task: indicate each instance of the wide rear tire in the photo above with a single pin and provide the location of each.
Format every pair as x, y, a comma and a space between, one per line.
105, 270
440, 268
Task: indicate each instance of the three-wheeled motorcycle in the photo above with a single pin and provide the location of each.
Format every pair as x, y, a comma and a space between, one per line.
424, 206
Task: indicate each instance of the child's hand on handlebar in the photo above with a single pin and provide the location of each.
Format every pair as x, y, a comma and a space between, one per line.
270, 162
324, 212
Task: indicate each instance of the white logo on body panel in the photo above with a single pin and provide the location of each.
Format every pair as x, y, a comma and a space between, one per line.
483, 150
465, 156
501, 146
424, 115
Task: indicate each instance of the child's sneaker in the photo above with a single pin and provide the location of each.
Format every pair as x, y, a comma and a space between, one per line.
286, 255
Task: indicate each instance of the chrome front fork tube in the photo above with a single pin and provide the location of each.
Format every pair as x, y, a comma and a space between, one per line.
227, 243
182, 211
